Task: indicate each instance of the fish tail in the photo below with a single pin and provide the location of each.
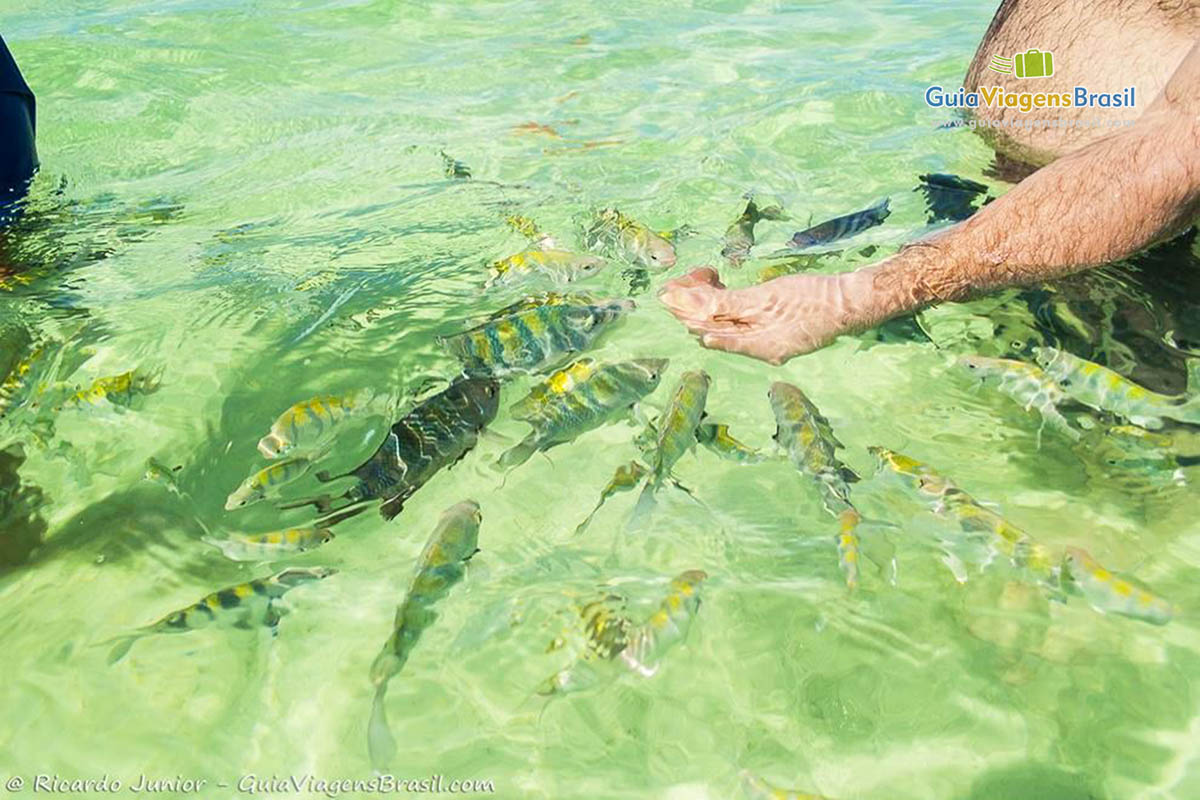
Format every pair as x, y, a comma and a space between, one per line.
588, 519
121, 645
517, 455
772, 213
1190, 410
644, 507
381, 745
881, 210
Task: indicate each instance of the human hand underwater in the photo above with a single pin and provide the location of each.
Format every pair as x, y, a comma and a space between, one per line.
772, 321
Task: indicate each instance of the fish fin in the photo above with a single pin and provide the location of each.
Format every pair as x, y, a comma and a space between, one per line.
323, 503
388, 509
1193, 377
874, 543
848, 475
643, 509
773, 213
956, 567
121, 645
381, 745
272, 617
588, 519
518, 454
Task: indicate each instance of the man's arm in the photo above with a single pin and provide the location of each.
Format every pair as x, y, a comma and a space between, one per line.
1102, 203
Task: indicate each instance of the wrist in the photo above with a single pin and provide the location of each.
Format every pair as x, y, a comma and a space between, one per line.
873, 295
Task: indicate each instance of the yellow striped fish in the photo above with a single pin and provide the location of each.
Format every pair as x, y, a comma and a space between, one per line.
266, 546
1105, 390
267, 480
1107, 592
307, 424
240, 606
120, 390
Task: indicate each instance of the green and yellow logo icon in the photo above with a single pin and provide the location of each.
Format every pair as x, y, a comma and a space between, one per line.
1030, 64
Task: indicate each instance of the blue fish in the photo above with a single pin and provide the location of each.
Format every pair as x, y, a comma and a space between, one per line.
842, 227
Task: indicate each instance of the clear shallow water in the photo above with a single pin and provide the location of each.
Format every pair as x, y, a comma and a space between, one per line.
251, 198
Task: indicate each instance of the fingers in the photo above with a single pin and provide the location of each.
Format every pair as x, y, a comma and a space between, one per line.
695, 298
748, 344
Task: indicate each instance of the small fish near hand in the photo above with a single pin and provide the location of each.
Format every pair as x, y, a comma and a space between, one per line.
739, 238
1105, 390
805, 435
676, 435
1027, 384
441, 565
307, 424
612, 230
607, 391
532, 338
559, 266
241, 606
841, 227
435, 434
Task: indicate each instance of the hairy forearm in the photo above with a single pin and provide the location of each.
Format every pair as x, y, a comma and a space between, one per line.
1092, 207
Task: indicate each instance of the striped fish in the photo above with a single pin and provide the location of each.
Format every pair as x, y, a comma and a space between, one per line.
307, 424
267, 481
560, 382
1106, 592
807, 438
648, 643
605, 634
626, 477
676, 434
239, 606
530, 339
545, 299
433, 435
716, 437
15, 386
268, 546
614, 232
1025, 383
441, 565
758, 789
949, 197
561, 266
739, 238
841, 227
609, 390
1102, 389
987, 533
120, 390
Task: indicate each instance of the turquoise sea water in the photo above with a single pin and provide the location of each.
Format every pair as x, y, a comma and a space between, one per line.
250, 198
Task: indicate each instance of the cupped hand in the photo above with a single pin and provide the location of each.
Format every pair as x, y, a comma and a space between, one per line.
772, 321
